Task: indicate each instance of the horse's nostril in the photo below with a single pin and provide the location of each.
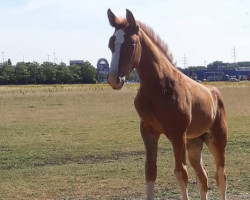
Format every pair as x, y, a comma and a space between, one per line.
118, 80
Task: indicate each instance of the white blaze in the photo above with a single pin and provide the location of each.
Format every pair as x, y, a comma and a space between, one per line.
119, 40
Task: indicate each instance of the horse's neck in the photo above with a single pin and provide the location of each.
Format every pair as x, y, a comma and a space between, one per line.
154, 68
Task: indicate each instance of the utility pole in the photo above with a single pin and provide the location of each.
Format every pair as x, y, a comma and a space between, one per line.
234, 55
205, 65
48, 58
3, 56
185, 63
54, 58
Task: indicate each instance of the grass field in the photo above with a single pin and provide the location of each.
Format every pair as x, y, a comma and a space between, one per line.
83, 142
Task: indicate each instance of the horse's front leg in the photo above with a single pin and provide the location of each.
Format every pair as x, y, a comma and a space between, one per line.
150, 139
179, 147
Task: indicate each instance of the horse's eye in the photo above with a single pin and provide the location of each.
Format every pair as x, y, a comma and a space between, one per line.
112, 43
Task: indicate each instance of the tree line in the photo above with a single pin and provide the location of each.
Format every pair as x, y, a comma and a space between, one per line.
46, 73
218, 65
215, 66
49, 73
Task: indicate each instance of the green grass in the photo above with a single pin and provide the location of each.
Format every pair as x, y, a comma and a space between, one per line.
83, 142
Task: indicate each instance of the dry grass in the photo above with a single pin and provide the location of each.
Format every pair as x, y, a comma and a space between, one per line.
83, 142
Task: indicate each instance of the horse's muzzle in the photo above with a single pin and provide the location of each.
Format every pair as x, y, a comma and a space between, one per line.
115, 82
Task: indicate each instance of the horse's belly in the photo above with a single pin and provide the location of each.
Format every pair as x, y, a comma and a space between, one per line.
198, 127
193, 133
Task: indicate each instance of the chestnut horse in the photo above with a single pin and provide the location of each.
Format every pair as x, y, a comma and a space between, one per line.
170, 103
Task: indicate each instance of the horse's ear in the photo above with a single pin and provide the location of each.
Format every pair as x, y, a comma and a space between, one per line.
131, 19
112, 18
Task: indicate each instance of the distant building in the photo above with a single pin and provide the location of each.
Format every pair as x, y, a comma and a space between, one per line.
243, 69
240, 73
76, 62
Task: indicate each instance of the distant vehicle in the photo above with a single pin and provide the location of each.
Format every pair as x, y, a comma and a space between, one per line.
244, 78
233, 80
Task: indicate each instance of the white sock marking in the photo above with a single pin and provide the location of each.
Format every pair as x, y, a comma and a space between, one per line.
150, 190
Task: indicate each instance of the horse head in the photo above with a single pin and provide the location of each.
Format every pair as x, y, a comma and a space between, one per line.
125, 47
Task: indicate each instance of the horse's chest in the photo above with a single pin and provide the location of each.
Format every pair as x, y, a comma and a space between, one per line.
150, 113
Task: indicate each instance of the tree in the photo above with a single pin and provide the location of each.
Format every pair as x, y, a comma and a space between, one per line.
33, 69
195, 68
63, 74
193, 74
101, 77
244, 64
9, 62
22, 73
76, 73
132, 76
7, 74
214, 65
40, 78
88, 73
49, 72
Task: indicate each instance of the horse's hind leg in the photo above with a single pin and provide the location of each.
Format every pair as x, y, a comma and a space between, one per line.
194, 149
216, 141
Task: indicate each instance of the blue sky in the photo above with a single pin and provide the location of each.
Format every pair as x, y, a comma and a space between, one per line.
203, 30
